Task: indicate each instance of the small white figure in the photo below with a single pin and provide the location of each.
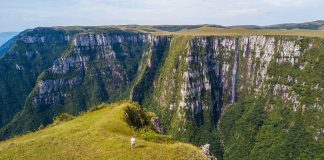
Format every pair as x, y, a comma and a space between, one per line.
133, 142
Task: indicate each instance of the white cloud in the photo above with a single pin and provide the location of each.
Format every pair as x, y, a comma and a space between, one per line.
287, 3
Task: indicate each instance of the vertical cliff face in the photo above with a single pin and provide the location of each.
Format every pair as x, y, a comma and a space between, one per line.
30, 53
208, 73
234, 72
150, 64
204, 88
95, 68
106, 64
201, 76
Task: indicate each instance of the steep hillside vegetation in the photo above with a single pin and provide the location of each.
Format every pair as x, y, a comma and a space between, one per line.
5, 36
100, 134
30, 54
4, 48
200, 76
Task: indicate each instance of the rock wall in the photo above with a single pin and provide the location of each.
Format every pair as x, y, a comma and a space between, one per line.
200, 83
30, 53
189, 80
79, 63
95, 68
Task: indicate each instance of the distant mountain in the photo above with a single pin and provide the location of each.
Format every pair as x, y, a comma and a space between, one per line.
5, 36
6, 41
6, 46
314, 25
319, 24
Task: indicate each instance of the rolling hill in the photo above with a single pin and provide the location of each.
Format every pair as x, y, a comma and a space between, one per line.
99, 134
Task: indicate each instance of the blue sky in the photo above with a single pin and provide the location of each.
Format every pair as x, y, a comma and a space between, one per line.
17, 15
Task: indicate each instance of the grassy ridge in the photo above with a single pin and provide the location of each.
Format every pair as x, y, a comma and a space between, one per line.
101, 134
206, 30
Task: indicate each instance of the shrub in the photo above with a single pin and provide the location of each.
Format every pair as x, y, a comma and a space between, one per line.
154, 137
98, 107
135, 117
64, 117
41, 127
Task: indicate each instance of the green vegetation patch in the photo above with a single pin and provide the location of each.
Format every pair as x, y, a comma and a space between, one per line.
100, 134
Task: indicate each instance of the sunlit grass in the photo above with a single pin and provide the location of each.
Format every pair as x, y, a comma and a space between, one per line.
206, 30
100, 134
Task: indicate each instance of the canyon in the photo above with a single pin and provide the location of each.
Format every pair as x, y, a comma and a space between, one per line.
203, 87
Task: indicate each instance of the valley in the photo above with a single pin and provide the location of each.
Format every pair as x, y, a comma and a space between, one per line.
250, 93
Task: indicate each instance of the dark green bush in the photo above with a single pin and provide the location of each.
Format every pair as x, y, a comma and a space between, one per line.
136, 117
154, 137
64, 117
98, 107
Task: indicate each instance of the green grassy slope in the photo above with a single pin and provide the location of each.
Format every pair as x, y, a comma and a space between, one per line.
101, 134
207, 30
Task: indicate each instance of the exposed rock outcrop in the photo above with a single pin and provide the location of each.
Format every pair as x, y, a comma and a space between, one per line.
51, 92
158, 126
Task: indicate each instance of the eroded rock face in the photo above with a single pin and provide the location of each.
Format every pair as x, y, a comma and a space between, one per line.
206, 152
319, 134
64, 65
50, 92
207, 85
93, 56
158, 126
42, 36
95, 40
32, 39
207, 82
287, 95
289, 53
